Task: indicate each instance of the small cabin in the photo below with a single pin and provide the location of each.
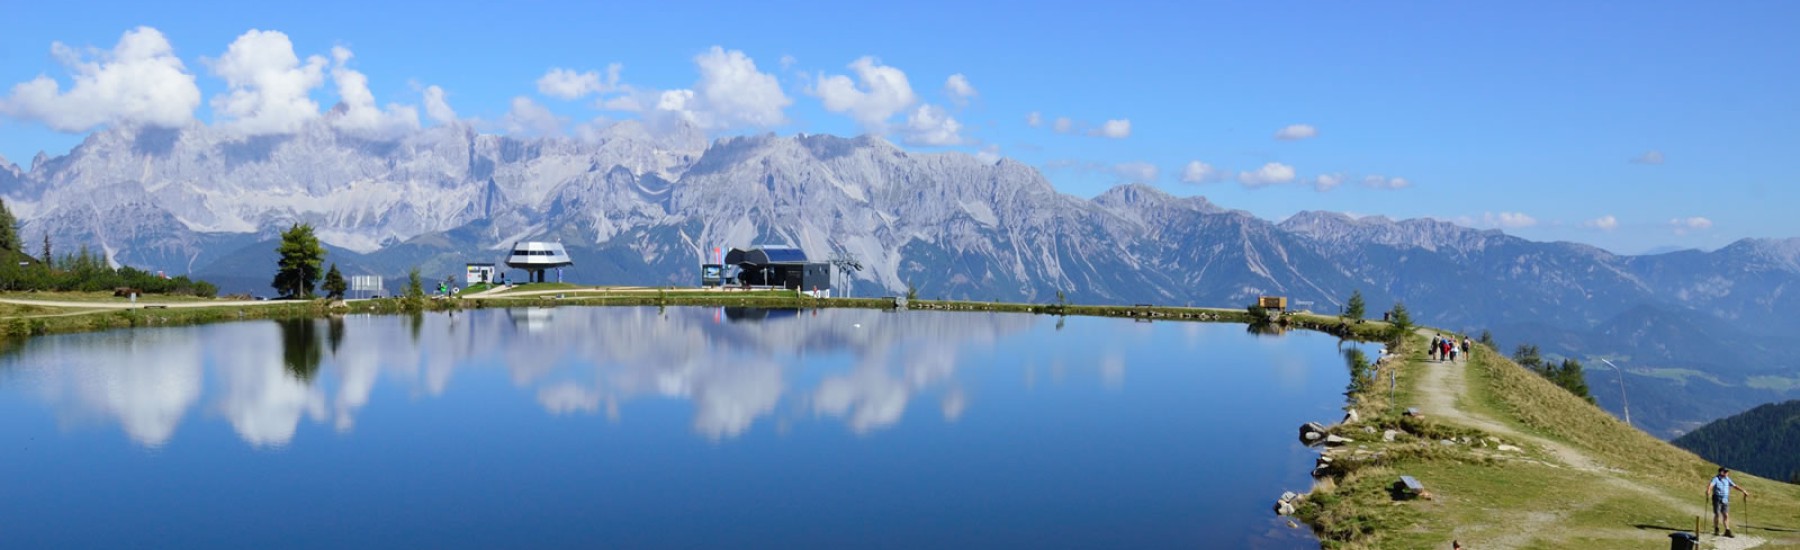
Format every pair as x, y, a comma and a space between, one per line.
1272, 302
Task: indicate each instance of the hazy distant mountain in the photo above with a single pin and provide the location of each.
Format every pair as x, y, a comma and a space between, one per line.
638, 207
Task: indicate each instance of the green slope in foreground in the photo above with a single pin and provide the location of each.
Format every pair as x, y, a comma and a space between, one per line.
1527, 465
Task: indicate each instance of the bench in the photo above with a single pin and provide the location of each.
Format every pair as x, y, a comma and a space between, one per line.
1408, 487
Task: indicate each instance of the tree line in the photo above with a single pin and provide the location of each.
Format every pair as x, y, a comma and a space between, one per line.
81, 271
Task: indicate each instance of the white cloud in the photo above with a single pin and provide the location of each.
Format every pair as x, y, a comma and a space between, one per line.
594, 130
268, 87
787, 62
359, 115
563, 83
528, 118
1378, 181
1649, 157
1137, 172
877, 94
1509, 220
1296, 132
731, 93
1327, 182
1063, 125
1603, 223
437, 105
1035, 119
959, 89
1116, 129
139, 81
931, 125
989, 154
1270, 174
1681, 226
1199, 172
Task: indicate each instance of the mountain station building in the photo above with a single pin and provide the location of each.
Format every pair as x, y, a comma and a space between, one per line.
538, 257
781, 267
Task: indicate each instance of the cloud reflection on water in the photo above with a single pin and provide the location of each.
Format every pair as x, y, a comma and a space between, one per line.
267, 376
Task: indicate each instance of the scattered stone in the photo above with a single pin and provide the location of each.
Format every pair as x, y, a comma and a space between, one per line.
1336, 440
1284, 508
1388, 436
1447, 442
1351, 417
1414, 412
1509, 448
1311, 431
1368, 429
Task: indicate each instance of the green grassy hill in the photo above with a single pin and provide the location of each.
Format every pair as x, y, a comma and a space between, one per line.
1512, 461
1764, 441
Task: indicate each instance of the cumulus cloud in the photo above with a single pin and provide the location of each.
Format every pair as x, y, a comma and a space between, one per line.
931, 125
878, 92
1063, 125
1270, 174
437, 105
1682, 226
528, 118
959, 89
1327, 182
1116, 129
1296, 132
139, 81
1649, 157
1034, 119
731, 93
267, 85
563, 83
1199, 172
357, 113
788, 61
1603, 223
1378, 181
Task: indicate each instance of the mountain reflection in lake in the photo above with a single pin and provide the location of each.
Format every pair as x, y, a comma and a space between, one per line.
681, 427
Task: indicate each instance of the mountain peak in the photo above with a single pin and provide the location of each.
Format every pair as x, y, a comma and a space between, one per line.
1426, 233
1139, 195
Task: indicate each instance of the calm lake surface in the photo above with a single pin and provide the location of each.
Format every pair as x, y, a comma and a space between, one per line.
688, 427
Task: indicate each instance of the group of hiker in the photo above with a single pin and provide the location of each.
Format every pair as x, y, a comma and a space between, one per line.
1446, 349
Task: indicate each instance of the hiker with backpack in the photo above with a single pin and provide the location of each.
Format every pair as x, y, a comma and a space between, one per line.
1720, 489
1436, 343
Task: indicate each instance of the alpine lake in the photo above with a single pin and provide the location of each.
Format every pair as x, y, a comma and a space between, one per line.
640, 427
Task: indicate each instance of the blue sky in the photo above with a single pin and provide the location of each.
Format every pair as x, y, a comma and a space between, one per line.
1677, 121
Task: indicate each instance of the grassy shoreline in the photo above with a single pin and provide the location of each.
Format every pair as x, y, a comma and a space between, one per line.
78, 312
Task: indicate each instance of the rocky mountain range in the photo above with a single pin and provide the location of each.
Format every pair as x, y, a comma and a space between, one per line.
640, 207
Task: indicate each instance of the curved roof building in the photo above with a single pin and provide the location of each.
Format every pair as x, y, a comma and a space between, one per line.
535, 257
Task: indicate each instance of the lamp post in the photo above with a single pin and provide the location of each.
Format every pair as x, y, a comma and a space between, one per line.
1622, 397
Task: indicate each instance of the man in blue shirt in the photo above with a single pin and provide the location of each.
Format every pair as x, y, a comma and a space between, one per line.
1720, 489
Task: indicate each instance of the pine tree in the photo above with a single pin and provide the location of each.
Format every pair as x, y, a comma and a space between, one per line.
49, 260
1401, 320
9, 230
1354, 309
1527, 355
335, 285
297, 271
415, 285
